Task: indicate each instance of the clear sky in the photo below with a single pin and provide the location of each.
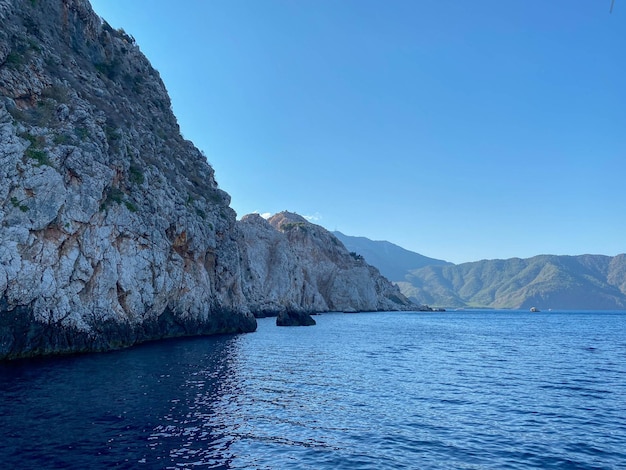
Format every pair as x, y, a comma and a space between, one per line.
462, 130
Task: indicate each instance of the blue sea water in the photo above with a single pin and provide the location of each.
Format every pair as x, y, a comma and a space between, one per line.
458, 390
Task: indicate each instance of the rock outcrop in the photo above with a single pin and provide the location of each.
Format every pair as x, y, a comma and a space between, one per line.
292, 264
113, 229
291, 318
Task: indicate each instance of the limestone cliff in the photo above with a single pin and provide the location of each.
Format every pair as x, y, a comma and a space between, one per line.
290, 263
112, 227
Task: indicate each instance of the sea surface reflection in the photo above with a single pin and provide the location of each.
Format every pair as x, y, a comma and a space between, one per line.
151, 406
472, 390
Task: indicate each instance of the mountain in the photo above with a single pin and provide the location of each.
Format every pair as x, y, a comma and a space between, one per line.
113, 229
393, 261
293, 263
546, 281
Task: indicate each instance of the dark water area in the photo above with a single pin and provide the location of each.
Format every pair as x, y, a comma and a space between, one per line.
463, 390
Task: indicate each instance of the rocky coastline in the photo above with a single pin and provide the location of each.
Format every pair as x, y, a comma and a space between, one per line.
113, 230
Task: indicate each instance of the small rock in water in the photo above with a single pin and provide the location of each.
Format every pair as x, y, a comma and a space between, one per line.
290, 318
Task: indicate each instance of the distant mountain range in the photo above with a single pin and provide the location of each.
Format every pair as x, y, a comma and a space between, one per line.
393, 261
545, 281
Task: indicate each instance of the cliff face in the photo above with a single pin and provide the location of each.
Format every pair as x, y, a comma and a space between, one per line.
112, 228
293, 264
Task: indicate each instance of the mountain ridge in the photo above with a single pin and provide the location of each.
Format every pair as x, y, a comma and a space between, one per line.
392, 260
547, 281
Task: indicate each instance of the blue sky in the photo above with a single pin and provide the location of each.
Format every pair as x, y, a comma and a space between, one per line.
462, 130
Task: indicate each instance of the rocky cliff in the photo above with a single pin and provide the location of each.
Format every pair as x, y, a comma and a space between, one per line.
290, 263
112, 227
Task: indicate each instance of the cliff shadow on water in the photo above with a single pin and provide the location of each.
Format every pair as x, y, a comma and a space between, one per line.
123, 406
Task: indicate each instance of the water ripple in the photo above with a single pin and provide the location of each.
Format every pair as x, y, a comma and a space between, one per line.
480, 390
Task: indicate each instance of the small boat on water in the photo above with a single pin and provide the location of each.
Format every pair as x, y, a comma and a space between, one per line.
534, 309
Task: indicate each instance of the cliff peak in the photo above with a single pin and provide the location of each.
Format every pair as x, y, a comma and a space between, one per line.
286, 217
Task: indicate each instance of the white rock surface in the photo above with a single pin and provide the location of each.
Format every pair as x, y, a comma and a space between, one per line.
290, 263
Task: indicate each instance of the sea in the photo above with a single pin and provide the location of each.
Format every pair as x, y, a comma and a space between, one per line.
485, 389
